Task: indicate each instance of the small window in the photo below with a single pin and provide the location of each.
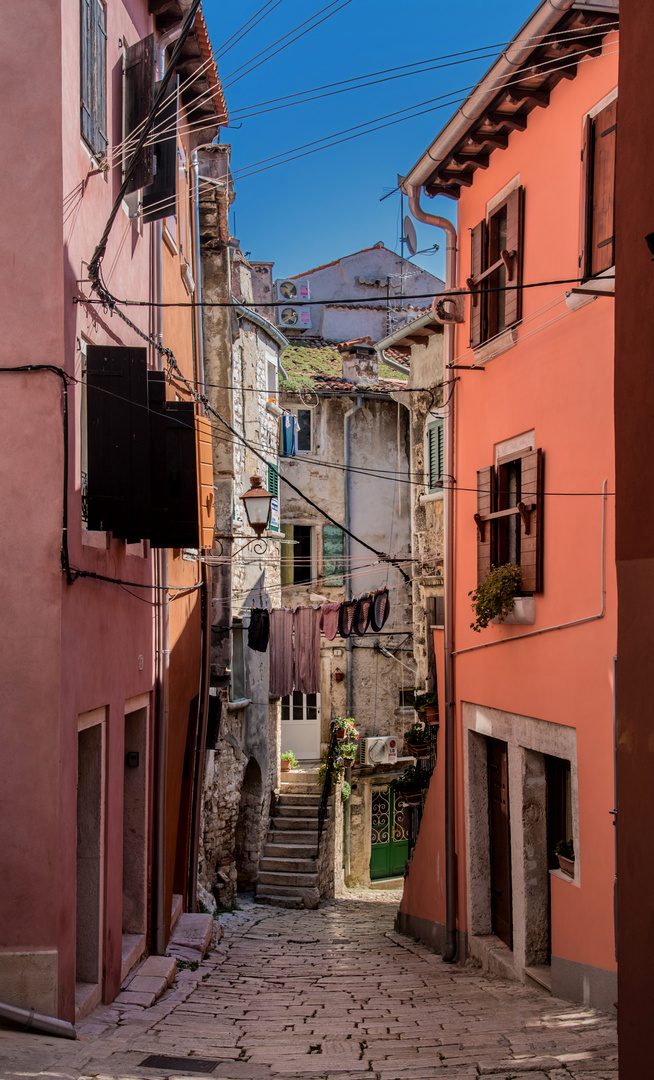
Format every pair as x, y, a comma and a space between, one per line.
559, 805
509, 516
302, 707
598, 157
238, 682
93, 102
302, 554
496, 270
272, 380
434, 451
304, 425
332, 556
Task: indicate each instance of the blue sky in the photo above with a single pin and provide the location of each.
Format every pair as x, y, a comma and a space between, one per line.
327, 204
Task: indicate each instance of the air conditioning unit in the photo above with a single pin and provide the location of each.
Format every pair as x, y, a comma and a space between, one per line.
293, 317
379, 750
287, 289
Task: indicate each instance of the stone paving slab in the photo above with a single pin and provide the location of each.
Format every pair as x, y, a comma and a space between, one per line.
331, 994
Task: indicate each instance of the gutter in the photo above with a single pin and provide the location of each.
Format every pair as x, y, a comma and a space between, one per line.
348, 596
244, 312
516, 53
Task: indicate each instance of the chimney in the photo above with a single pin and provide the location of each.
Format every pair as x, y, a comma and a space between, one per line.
360, 362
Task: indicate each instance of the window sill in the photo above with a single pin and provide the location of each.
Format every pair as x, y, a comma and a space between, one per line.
234, 706
523, 614
565, 877
273, 408
497, 345
431, 496
95, 539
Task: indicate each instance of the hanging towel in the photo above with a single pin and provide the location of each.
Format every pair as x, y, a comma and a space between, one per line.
259, 629
287, 425
306, 621
329, 620
380, 610
346, 617
362, 614
281, 652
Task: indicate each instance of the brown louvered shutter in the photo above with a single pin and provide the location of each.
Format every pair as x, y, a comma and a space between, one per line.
586, 197
485, 505
173, 467
477, 260
207, 514
139, 96
159, 196
514, 216
118, 441
531, 543
603, 207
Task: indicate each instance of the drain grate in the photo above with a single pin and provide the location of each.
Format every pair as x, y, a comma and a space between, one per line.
187, 1065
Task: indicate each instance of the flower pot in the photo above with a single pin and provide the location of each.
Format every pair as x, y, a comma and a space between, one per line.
409, 798
418, 749
431, 714
286, 765
566, 865
340, 733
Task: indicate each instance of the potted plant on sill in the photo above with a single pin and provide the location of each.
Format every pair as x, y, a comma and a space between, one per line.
495, 597
565, 853
426, 705
288, 761
410, 785
348, 751
416, 740
345, 728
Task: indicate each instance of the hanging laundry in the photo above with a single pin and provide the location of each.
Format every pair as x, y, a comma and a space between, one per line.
287, 435
346, 617
329, 620
380, 610
362, 614
259, 629
306, 621
281, 652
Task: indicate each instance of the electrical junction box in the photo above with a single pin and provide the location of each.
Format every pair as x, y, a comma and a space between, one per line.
379, 750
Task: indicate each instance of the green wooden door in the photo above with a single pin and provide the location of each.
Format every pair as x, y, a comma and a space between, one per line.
390, 844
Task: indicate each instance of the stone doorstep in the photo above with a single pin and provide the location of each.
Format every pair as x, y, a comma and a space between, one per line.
147, 984
193, 931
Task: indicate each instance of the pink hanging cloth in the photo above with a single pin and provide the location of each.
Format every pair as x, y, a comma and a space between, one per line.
307, 650
281, 652
329, 620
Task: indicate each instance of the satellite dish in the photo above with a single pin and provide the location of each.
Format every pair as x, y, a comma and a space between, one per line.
410, 238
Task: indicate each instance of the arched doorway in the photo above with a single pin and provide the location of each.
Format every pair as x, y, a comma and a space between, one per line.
249, 828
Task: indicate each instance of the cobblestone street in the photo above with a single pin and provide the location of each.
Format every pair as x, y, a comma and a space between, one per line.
331, 993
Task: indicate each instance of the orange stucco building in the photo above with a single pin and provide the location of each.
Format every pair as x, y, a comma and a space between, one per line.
526, 758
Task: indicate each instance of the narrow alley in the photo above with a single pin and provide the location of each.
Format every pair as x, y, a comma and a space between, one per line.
328, 993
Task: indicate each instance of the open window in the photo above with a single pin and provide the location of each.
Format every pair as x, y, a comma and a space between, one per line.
496, 270
598, 223
509, 517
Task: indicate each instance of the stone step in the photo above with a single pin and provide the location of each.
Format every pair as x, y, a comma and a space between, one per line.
287, 878
284, 810
300, 789
279, 901
295, 823
291, 798
191, 938
291, 836
294, 866
289, 851
283, 890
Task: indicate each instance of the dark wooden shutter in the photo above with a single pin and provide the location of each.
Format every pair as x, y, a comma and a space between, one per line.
139, 96
435, 455
93, 106
603, 206
286, 568
332, 556
586, 197
159, 196
531, 543
477, 266
514, 217
118, 441
485, 505
173, 467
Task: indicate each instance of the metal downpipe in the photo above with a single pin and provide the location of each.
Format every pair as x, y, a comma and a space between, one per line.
348, 596
449, 956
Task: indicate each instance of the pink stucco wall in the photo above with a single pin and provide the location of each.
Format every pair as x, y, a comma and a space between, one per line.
557, 380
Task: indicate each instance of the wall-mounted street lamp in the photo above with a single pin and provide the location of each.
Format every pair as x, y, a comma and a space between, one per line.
257, 505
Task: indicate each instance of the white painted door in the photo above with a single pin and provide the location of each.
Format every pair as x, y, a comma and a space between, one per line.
301, 725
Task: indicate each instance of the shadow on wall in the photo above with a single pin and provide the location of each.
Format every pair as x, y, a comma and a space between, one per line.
248, 828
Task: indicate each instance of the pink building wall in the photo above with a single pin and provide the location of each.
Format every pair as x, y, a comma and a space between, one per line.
557, 380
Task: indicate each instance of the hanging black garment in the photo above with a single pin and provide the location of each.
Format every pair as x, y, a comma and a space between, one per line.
346, 617
259, 629
380, 610
362, 614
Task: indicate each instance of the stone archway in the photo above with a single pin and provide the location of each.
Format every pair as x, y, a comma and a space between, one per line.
249, 825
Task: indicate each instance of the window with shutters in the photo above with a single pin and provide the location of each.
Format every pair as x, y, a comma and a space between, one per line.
297, 555
496, 270
598, 159
238, 682
509, 517
93, 76
273, 488
332, 556
434, 451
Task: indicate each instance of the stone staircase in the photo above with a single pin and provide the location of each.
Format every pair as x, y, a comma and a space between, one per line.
289, 869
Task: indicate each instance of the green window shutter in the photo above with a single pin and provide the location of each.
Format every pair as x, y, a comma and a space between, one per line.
273, 481
435, 455
286, 570
332, 556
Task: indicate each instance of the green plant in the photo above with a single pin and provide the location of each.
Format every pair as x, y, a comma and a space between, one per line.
336, 770
348, 750
346, 724
417, 733
565, 848
495, 597
288, 755
424, 701
345, 791
412, 779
